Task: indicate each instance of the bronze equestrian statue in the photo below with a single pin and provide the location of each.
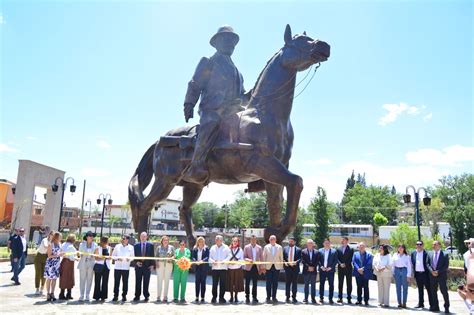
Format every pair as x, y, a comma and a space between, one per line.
252, 145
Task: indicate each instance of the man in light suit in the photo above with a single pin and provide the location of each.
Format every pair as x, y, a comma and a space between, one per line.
438, 264
252, 253
272, 253
310, 260
292, 257
327, 267
143, 267
362, 262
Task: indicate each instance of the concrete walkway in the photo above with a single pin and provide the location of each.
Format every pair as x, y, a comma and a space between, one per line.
21, 300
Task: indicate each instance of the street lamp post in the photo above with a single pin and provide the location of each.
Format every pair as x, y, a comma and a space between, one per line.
426, 202
450, 234
102, 198
55, 187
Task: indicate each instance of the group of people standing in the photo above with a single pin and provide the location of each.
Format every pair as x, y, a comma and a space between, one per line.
233, 269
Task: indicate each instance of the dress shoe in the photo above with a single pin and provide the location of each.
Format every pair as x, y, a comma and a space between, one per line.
222, 301
268, 300
124, 299
349, 301
305, 301
255, 300
339, 301
446, 310
182, 301
366, 303
136, 299
314, 301
358, 303
321, 301
231, 300
147, 299
247, 300
288, 300
331, 302
17, 283
295, 300
420, 306
404, 305
434, 309
115, 299
213, 301
274, 300
196, 300
202, 300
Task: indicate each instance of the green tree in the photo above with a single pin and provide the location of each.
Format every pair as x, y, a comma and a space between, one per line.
432, 214
457, 195
404, 234
361, 203
204, 214
249, 210
318, 208
379, 220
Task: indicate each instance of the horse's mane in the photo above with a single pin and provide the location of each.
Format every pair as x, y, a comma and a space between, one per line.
261, 73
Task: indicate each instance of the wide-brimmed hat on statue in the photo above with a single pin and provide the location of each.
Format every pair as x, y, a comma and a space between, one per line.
224, 30
89, 233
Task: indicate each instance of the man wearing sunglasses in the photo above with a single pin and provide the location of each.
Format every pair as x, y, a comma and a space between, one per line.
419, 260
19, 252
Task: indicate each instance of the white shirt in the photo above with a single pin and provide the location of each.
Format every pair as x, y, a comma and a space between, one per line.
69, 249
382, 261
467, 255
326, 257
254, 253
240, 257
402, 261
199, 258
43, 248
105, 260
273, 250
23, 240
122, 251
419, 262
219, 253
310, 254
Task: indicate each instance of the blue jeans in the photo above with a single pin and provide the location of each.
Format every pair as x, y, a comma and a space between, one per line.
401, 281
309, 279
18, 267
272, 282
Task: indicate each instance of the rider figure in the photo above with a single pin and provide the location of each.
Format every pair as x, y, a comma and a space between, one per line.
220, 85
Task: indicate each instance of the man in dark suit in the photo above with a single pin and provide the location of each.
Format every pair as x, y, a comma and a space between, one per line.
291, 257
419, 260
438, 264
310, 260
143, 267
344, 269
327, 267
362, 262
19, 253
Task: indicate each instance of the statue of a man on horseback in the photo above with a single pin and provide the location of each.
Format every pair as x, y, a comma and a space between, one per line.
219, 84
235, 144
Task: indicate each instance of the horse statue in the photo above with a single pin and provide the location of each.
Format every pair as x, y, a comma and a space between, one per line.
253, 146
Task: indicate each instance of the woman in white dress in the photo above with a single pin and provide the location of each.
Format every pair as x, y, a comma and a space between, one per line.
382, 264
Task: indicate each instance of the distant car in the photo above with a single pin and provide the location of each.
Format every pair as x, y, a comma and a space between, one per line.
353, 245
451, 250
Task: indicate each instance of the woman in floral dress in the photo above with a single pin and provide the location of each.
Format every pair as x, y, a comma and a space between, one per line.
51, 269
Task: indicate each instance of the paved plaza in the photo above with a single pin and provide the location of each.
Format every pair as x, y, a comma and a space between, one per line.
21, 300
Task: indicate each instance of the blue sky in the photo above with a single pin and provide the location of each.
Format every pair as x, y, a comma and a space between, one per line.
87, 86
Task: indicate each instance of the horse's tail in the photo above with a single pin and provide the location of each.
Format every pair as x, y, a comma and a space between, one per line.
140, 181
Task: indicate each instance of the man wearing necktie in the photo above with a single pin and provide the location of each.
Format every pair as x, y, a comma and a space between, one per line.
327, 267
292, 257
363, 271
344, 269
438, 264
143, 267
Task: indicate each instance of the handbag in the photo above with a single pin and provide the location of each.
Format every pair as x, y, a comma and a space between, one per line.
99, 268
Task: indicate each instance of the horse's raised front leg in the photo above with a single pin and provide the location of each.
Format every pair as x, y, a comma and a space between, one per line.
191, 194
273, 171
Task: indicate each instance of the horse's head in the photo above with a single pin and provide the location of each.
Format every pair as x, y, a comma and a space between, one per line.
301, 51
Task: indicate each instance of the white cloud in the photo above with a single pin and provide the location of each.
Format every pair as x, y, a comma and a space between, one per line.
395, 110
94, 172
2, 19
31, 138
428, 117
6, 148
321, 161
103, 144
450, 156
